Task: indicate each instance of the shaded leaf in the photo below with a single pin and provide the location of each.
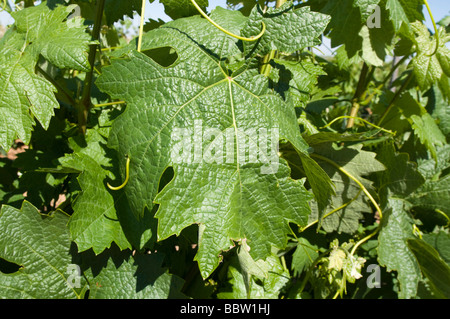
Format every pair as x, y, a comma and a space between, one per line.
40, 245
118, 275
267, 288
349, 198
393, 250
432, 265
102, 216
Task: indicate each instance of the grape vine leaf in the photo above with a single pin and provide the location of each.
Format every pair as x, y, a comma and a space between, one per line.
349, 196
441, 242
304, 76
342, 29
401, 176
115, 10
25, 95
432, 266
439, 108
116, 274
428, 132
101, 216
287, 30
182, 8
435, 192
268, 287
62, 42
404, 12
432, 62
347, 18
172, 114
409, 113
393, 250
41, 246
349, 27
303, 256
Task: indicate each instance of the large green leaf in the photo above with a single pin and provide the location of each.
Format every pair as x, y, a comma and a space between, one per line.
25, 95
41, 246
115, 10
440, 241
51, 268
433, 195
304, 256
62, 42
439, 107
343, 29
174, 112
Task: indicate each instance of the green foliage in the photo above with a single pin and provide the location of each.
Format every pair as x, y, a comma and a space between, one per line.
205, 166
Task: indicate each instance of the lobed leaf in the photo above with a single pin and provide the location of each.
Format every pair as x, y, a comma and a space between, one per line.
24, 95
393, 250
41, 246
226, 191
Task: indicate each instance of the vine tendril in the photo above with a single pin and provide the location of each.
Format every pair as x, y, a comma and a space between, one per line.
127, 177
358, 118
226, 31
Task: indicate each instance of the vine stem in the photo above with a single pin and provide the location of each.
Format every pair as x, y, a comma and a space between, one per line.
85, 103
362, 83
226, 31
